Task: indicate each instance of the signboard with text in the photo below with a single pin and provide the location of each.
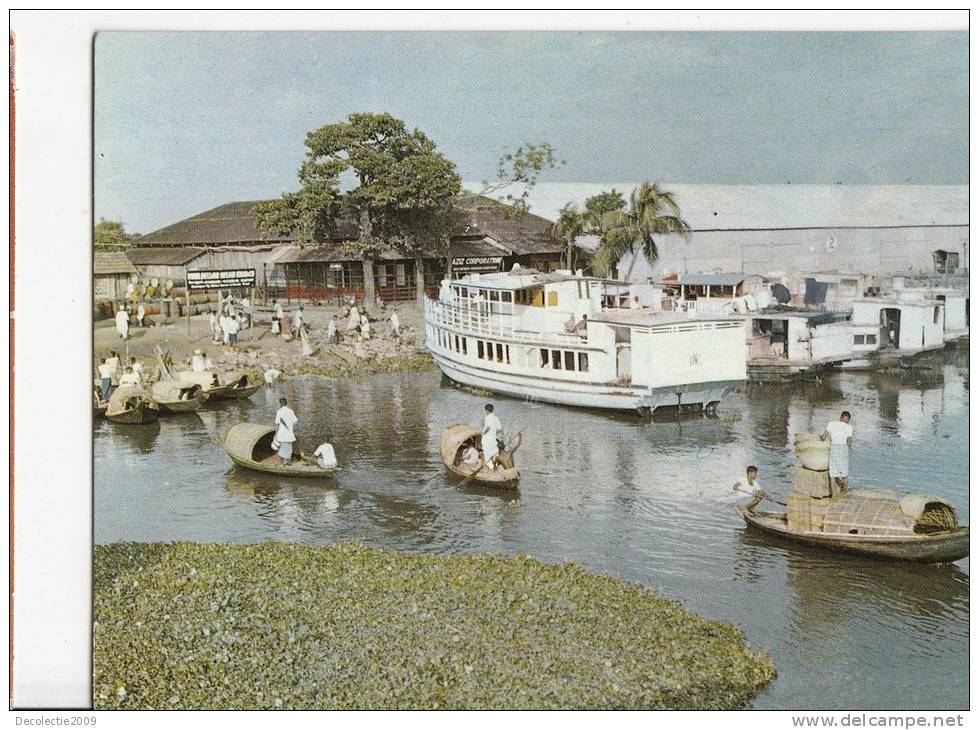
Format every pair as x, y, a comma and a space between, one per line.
476, 264
220, 279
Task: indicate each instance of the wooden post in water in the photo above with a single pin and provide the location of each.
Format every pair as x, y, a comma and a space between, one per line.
187, 295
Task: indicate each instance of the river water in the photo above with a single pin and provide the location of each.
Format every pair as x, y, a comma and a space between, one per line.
645, 501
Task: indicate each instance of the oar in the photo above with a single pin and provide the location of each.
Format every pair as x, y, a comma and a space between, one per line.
761, 494
473, 475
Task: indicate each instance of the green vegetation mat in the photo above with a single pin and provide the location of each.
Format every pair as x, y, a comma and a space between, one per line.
278, 625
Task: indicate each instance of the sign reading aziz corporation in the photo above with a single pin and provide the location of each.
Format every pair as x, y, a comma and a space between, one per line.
220, 279
476, 264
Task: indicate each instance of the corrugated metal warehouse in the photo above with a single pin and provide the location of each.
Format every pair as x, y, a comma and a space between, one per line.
757, 229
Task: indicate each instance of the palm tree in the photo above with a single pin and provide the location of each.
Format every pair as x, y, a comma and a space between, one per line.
569, 225
653, 211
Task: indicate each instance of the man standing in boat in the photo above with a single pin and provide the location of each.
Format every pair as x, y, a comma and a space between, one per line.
491, 431
840, 435
285, 433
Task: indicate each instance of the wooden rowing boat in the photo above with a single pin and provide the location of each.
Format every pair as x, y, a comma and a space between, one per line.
250, 446
459, 435
878, 523
237, 386
131, 405
242, 388
174, 396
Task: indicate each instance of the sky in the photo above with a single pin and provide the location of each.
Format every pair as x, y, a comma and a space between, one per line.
187, 121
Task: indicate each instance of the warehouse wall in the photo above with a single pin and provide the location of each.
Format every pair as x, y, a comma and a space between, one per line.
866, 250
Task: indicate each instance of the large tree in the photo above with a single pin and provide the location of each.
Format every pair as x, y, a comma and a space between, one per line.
402, 193
652, 212
112, 235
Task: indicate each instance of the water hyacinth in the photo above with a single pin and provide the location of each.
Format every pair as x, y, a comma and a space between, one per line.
277, 625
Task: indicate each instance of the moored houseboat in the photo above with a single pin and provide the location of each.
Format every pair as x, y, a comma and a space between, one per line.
892, 331
783, 343
562, 338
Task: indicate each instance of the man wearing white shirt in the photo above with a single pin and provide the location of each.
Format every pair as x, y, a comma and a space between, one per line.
122, 323
233, 326
137, 367
297, 321
491, 431
105, 379
197, 362
325, 456
285, 433
129, 379
840, 435
246, 313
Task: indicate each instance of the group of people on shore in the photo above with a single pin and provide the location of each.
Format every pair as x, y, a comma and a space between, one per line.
113, 374
229, 320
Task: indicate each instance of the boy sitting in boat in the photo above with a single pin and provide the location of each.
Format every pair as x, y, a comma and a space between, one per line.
468, 455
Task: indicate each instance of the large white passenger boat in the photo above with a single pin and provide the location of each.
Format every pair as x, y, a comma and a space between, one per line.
514, 333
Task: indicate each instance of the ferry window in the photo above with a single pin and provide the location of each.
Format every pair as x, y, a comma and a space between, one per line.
538, 300
552, 298
494, 296
457, 343
465, 348
479, 350
507, 353
499, 352
569, 361
544, 358
937, 310
556, 359
507, 297
583, 362
859, 340
871, 339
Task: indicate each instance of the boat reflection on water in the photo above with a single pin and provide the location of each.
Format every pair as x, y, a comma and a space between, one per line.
132, 438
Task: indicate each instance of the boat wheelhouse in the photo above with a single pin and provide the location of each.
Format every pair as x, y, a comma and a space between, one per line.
562, 338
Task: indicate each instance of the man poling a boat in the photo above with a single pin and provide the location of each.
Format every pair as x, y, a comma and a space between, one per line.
285, 434
840, 435
492, 430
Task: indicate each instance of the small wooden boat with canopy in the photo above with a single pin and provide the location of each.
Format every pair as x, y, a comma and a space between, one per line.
234, 385
175, 396
881, 523
250, 446
457, 437
131, 405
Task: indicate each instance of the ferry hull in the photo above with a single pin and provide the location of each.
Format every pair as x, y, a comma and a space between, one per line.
586, 395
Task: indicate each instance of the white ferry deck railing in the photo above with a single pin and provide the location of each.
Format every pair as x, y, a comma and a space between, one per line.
472, 321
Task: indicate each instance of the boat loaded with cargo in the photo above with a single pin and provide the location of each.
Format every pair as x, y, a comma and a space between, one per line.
569, 339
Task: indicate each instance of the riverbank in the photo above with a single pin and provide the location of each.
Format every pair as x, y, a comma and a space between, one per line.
259, 350
278, 625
